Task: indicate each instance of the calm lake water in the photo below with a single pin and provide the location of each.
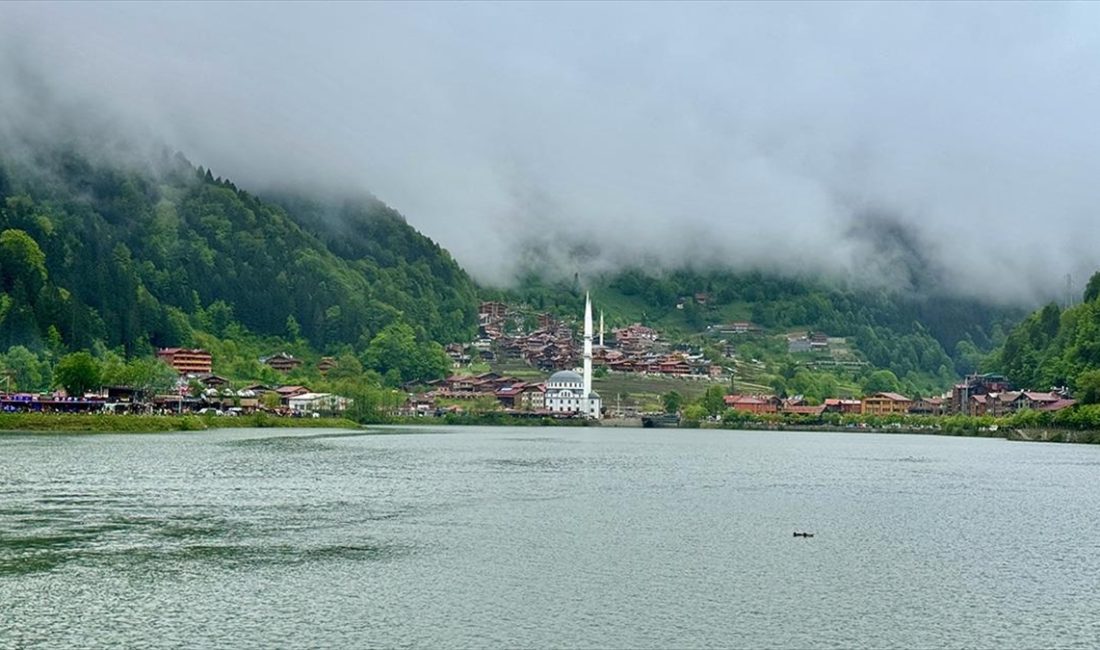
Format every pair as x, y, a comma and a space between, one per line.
546, 537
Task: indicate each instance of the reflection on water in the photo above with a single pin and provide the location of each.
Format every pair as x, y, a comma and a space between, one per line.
574, 537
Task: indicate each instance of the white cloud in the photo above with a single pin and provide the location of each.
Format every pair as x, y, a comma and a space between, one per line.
751, 135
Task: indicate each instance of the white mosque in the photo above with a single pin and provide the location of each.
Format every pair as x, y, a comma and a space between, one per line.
569, 392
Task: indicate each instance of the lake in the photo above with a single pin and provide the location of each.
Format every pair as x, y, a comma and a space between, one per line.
506, 537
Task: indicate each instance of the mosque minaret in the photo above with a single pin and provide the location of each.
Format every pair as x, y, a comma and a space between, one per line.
567, 392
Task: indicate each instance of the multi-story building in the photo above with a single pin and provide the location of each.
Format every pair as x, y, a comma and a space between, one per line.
187, 362
886, 404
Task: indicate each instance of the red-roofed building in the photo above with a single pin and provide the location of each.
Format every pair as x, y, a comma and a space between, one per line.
751, 403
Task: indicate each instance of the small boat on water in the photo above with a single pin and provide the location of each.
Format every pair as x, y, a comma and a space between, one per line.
798, 534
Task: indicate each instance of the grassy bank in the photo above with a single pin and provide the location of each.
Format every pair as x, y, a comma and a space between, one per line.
97, 423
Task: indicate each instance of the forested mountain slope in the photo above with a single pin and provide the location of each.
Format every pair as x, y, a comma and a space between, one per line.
101, 252
137, 255
1057, 347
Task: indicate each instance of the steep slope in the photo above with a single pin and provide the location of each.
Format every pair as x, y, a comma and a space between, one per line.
1056, 347
133, 254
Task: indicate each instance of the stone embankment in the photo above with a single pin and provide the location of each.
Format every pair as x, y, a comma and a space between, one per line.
1053, 435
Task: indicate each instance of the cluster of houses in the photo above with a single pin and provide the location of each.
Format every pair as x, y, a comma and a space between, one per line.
218, 398
978, 395
992, 394
294, 401
765, 404
195, 366
552, 346
511, 393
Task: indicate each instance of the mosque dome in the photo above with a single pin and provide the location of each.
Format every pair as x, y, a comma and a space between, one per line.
565, 377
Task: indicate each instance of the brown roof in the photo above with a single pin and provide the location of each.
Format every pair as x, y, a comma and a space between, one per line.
892, 396
744, 399
1058, 406
1041, 397
805, 410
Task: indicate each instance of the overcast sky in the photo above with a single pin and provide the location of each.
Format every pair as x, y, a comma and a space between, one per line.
748, 135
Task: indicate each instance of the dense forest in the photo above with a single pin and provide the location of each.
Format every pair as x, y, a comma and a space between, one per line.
1057, 347
135, 257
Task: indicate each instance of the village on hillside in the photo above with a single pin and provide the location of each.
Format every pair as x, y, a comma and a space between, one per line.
635, 349
510, 368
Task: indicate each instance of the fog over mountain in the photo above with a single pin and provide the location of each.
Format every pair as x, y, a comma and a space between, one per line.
939, 144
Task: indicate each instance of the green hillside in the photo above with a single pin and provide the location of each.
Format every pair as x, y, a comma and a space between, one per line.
136, 256
1056, 347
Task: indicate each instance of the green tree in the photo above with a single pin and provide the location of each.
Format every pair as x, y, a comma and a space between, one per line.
714, 400
77, 373
24, 368
347, 367
270, 400
694, 413
1092, 289
393, 349
672, 401
293, 329
1088, 386
151, 376
881, 381
395, 353
22, 262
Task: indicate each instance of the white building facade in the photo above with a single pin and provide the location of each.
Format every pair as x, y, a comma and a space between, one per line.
308, 403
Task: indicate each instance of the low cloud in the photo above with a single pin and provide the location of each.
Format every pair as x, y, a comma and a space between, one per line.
922, 145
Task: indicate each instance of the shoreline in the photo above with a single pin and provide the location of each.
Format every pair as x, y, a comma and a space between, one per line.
63, 423
1011, 434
